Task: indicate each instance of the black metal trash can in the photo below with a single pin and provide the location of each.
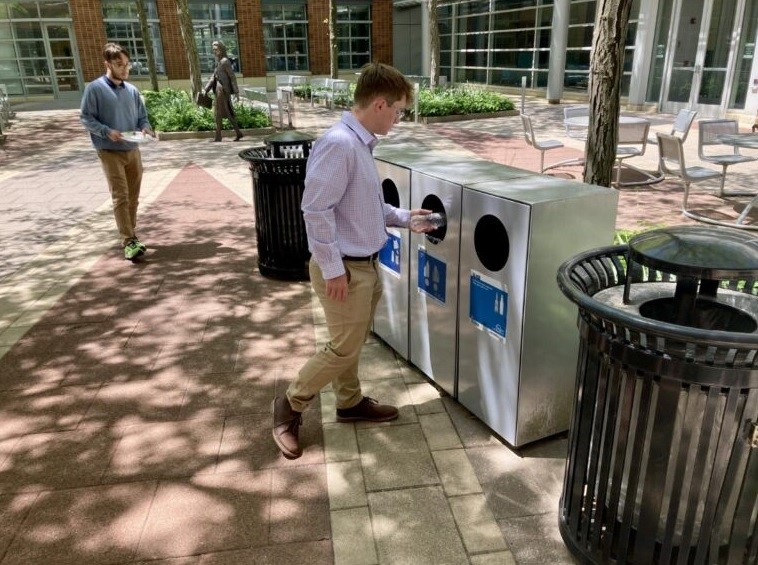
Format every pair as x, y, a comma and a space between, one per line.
663, 446
278, 172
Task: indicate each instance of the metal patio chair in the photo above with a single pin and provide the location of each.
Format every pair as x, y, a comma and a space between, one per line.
708, 136
541, 146
632, 142
681, 126
671, 162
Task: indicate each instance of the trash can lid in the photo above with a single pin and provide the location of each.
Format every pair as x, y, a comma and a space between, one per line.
290, 136
697, 251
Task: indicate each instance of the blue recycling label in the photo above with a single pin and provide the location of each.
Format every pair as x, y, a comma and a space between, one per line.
488, 305
432, 275
390, 256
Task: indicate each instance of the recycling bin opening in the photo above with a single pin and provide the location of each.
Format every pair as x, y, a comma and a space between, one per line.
432, 202
491, 242
391, 194
662, 465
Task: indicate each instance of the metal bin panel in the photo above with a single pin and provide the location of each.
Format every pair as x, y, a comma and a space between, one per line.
434, 283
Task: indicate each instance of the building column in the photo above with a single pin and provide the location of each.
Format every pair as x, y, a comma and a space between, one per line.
426, 68
381, 31
250, 30
87, 19
174, 54
643, 53
558, 44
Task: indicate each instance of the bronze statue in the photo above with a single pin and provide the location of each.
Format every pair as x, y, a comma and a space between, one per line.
224, 84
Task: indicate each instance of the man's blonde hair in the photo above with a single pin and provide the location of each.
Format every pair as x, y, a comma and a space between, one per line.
378, 80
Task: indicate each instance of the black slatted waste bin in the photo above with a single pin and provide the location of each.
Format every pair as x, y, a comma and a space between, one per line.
278, 172
663, 446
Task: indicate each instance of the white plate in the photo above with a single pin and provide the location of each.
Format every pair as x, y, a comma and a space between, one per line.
135, 136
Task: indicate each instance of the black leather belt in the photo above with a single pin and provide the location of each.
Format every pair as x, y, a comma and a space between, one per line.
367, 259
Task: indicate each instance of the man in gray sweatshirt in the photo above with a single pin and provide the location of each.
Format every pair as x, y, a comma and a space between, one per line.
113, 113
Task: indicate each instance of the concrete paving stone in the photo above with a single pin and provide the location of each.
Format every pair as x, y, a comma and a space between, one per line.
340, 443
517, 484
229, 394
13, 511
390, 391
472, 431
247, 444
328, 405
346, 486
535, 540
11, 334
378, 362
43, 408
439, 431
353, 538
202, 358
317, 552
154, 396
497, 558
395, 457
97, 525
111, 362
224, 511
19, 370
167, 449
277, 348
191, 560
476, 523
299, 505
57, 460
405, 532
456, 472
426, 398
411, 374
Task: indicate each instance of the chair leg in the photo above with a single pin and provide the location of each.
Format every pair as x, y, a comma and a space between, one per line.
618, 173
686, 197
542, 162
723, 179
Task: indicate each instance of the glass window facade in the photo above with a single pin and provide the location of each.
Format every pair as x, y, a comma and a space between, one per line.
122, 27
579, 46
353, 36
496, 41
37, 54
500, 41
212, 21
285, 37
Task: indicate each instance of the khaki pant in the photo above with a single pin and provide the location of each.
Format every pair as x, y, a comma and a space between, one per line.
123, 169
348, 323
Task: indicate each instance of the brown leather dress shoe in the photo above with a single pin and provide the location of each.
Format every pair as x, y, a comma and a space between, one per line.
369, 410
287, 428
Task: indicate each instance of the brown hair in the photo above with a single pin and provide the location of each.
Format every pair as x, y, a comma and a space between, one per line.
113, 52
378, 80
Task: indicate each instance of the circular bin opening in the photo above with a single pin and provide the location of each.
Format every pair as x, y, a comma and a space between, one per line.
491, 242
709, 315
432, 202
391, 194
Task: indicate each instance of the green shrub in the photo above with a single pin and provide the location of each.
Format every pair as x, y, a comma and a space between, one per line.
173, 110
461, 100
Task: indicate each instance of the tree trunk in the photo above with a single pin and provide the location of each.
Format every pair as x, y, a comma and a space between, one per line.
434, 44
147, 39
188, 38
333, 48
606, 70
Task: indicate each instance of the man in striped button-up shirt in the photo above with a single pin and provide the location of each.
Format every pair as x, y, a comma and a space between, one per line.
346, 218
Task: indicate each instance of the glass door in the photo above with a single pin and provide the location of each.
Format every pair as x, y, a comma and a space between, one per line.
64, 74
700, 55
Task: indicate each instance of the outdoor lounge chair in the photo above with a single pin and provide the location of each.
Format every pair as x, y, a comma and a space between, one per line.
631, 142
681, 126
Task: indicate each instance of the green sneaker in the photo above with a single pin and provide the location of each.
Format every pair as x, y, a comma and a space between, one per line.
140, 244
132, 250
